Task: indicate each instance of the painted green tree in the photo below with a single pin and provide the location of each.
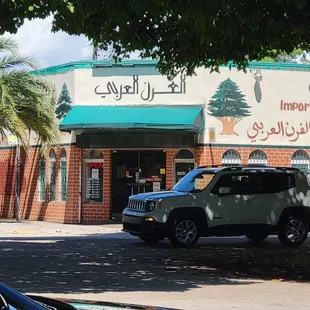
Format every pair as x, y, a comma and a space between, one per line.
64, 103
229, 106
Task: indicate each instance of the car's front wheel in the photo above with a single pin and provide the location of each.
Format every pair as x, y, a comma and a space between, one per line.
184, 232
256, 236
293, 230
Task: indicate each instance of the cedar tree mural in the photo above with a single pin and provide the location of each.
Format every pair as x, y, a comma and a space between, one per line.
228, 106
64, 103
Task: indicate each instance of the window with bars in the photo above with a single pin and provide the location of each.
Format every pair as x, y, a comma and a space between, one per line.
231, 158
42, 183
258, 158
63, 176
52, 176
300, 160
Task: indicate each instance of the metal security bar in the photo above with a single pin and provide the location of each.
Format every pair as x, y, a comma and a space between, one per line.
231, 158
300, 160
258, 158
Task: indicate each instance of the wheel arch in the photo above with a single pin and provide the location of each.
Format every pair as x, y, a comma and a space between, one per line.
192, 212
300, 210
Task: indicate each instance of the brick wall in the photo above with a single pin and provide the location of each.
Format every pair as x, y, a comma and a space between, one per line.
212, 155
30, 206
91, 213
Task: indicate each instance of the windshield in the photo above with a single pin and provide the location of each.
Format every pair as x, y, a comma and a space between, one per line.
195, 181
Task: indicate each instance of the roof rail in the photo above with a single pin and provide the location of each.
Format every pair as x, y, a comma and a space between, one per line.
210, 166
239, 167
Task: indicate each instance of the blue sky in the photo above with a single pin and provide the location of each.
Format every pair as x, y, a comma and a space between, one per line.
36, 40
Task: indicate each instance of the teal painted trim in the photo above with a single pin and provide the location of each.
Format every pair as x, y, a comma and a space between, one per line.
256, 146
8, 147
58, 145
63, 68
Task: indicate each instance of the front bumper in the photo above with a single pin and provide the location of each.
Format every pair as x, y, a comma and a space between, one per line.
138, 226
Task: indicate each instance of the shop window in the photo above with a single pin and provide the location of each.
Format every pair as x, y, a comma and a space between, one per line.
93, 176
258, 158
231, 158
184, 162
42, 184
52, 176
63, 176
300, 160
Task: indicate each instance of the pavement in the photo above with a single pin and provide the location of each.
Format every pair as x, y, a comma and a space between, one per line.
51, 229
102, 263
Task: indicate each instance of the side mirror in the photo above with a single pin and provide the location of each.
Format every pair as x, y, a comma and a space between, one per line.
224, 190
3, 303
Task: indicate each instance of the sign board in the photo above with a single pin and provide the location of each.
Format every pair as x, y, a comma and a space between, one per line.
156, 186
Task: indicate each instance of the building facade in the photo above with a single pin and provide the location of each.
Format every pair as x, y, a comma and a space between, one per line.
126, 129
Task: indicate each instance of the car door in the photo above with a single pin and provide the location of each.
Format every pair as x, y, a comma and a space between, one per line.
227, 205
269, 191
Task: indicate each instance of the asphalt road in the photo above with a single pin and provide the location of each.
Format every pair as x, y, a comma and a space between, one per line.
118, 267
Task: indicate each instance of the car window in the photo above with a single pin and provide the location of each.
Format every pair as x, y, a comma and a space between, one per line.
255, 183
202, 181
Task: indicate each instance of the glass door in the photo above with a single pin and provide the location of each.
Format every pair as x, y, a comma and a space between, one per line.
135, 172
125, 173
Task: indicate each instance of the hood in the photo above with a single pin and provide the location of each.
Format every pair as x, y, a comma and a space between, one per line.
158, 195
72, 304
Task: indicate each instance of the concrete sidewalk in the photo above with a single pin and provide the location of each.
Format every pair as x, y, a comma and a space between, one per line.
9, 228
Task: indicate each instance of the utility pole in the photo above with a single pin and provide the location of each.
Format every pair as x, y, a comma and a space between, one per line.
17, 191
95, 51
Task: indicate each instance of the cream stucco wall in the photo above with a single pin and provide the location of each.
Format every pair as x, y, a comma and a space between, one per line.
268, 124
280, 118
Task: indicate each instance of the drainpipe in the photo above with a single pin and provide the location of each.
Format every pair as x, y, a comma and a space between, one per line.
80, 189
17, 189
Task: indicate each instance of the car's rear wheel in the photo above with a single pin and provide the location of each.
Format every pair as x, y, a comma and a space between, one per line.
150, 239
184, 232
293, 230
257, 236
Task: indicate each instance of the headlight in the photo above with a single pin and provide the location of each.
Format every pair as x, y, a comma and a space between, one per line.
150, 206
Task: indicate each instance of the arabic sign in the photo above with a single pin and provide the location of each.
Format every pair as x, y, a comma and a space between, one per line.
146, 92
283, 129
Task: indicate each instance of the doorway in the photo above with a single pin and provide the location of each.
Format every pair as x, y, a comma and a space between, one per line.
135, 172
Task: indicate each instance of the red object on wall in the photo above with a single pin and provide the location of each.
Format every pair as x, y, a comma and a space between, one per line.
95, 165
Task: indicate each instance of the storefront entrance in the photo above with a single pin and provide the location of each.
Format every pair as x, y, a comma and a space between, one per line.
136, 172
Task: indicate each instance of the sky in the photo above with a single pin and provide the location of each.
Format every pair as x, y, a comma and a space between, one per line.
36, 40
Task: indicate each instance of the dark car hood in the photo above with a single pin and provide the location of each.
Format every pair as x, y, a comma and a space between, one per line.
158, 195
92, 305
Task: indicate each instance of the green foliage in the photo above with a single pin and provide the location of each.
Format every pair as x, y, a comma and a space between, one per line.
228, 101
293, 57
27, 102
64, 103
181, 34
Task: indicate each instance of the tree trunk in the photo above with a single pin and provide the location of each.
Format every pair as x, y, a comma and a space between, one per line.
228, 125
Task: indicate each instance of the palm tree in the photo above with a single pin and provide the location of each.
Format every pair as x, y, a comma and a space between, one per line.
27, 101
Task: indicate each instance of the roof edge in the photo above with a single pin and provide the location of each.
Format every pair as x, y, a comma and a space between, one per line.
66, 67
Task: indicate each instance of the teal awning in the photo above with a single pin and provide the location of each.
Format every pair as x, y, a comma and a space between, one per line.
187, 117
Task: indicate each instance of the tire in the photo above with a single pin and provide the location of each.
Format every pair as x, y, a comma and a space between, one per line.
293, 230
257, 237
184, 232
150, 239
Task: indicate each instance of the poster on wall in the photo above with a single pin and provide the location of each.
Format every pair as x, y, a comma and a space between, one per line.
95, 174
156, 186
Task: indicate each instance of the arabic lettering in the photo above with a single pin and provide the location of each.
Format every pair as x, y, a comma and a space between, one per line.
258, 131
148, 93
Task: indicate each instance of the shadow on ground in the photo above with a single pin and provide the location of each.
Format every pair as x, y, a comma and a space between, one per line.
116, 263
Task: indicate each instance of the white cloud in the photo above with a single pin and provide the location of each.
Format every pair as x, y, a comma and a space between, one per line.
36, 40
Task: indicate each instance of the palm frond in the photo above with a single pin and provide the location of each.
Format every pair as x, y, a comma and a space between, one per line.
27, 102
12, 60
7, 44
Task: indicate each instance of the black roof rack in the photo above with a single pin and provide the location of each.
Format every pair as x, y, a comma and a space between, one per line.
240, 167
